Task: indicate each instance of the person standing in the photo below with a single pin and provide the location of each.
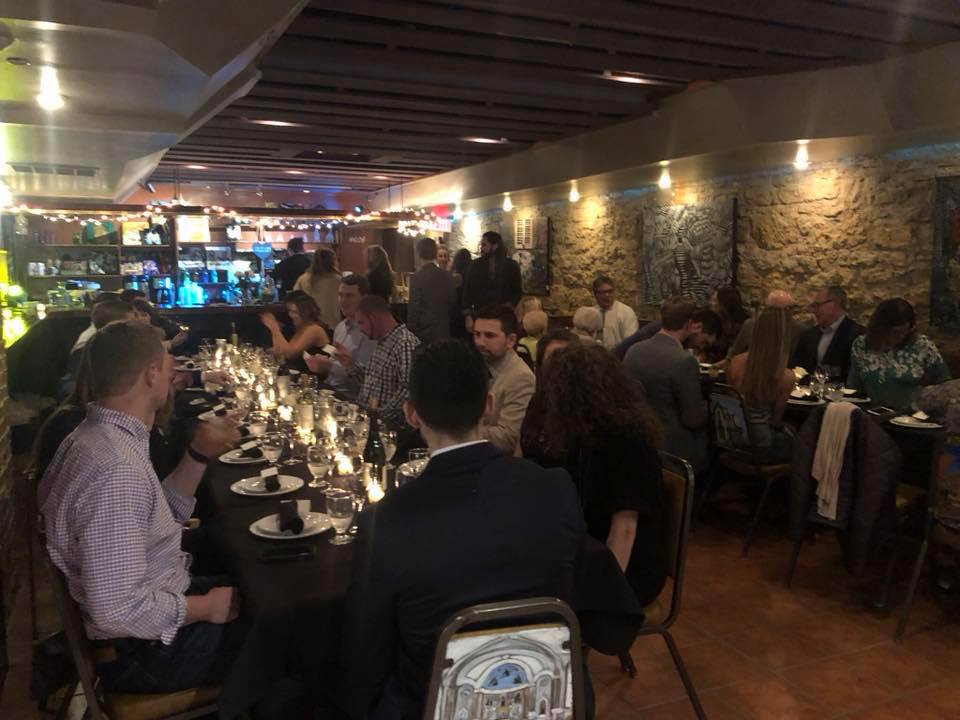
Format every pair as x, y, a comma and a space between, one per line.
619, 320
289, 270
321, 282
475, 527
443, 257
828, 343
512, 382
493, 278
432, 296
379, 273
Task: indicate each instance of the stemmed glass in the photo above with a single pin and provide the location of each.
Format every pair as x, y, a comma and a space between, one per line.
357, 482
272, 446
319, 465
257, 423
340, 510
389, 439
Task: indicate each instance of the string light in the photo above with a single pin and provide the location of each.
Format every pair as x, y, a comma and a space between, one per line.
665, 182
802, 160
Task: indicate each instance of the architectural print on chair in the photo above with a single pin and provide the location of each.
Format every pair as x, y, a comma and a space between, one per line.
513, 675
945, 276
686, 250
729, 424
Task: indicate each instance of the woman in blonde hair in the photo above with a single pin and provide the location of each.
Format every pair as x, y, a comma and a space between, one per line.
763, 378
322, 283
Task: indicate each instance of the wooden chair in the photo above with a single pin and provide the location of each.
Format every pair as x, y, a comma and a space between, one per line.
736, 452
102, 705
533, 646
678, 486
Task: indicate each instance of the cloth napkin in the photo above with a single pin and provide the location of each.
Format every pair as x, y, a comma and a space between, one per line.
288, 518
251, 450
271, 481
828, 458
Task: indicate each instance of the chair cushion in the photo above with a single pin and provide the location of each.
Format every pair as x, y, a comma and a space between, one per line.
143, 706
744, 466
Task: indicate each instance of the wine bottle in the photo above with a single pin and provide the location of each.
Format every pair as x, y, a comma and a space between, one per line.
234, 338
373, 451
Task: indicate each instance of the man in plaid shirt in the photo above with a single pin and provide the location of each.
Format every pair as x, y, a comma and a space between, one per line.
385, 378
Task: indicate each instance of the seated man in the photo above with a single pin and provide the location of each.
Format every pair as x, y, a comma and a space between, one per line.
114, 529
475, 527
512, 382
348, 335
103, 312
828, 343
671, 378
619, 321
702, 344
383, 380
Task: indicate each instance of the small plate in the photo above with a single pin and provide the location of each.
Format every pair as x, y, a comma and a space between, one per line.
235, 457
857, 400
253, 486
313, 524
810, 403
849, 391
912, 422
183, 358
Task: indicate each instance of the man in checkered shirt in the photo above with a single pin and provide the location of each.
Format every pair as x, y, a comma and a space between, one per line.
114, 530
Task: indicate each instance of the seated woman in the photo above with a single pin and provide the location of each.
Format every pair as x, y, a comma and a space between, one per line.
534, 325
308, 332
588, 323
589, 417
892, 362
762, 377
145, 311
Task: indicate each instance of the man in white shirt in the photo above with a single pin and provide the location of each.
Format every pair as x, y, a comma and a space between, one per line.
619, 320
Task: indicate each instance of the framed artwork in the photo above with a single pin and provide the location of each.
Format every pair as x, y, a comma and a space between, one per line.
531, 250
945, 274
193, 229
687, 250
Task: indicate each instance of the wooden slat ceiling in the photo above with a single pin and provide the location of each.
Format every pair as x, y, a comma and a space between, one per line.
389, 89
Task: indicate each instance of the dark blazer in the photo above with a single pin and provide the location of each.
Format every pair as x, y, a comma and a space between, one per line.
838, 351
476, 527
288, 271
432, 303
480, 290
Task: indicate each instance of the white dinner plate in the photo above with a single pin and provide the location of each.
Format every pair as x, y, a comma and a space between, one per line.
253, 486
235, 457
811, 402
912, 422
313, 524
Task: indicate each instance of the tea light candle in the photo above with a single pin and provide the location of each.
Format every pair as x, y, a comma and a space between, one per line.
374, 491
285, 412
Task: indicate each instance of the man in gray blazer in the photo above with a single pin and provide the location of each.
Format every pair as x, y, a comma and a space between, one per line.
671, 377
433, 298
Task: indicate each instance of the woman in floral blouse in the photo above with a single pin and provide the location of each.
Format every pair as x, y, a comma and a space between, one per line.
892, 362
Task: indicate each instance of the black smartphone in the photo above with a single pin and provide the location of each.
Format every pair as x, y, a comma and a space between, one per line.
287, 552
881, 410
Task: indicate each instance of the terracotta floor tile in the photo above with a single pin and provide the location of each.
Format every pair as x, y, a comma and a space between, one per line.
904, 709
944, 696
770, 699
777, 647
941, 644
684, 633
683, 710
656, 683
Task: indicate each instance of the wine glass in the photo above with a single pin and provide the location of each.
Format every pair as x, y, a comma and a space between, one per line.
319, 465
389, 439
272, 446
340, 511
419, 457
257, 423
357, 482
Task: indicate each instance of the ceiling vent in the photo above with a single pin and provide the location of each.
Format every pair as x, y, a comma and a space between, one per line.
49, 169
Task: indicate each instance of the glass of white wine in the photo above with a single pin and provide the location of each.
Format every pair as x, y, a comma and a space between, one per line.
340, 510
319, 464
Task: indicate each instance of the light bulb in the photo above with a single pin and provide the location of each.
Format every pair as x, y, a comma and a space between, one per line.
802, 160
574, 193
665, 182
507, 203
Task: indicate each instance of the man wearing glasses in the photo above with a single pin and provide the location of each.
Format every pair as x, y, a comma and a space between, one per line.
619, 320
827, 344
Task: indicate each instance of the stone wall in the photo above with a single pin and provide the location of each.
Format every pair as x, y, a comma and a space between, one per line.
865, 223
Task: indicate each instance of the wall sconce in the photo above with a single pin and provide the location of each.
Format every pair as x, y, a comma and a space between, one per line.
507, 203
802, 160
665, 182
574, 193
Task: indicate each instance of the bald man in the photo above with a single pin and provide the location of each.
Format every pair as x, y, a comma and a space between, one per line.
775, 299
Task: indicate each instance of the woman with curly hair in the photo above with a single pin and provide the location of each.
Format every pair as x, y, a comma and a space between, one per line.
590, 417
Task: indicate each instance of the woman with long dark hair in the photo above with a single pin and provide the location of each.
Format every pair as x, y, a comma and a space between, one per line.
728, 304
322, 283
493, 278
379, 272
892, 361
308, 331
590, 417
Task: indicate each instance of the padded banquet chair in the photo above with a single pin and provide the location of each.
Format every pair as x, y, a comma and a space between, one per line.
736, 452
678, 487
102, 705
529, 648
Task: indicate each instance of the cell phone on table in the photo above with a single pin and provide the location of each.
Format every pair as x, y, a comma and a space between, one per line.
287, 552
881, 410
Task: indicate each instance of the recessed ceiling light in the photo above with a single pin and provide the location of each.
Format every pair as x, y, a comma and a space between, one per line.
277, 123
197, 167
319, 152
307, 192
485, 140
294, 172
380, 177
625, 76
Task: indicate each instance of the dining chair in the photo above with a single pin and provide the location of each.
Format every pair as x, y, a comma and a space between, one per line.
103, 705
511, 659
678, 486
736, 452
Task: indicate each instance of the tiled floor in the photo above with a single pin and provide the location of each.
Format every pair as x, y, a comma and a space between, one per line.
753, 648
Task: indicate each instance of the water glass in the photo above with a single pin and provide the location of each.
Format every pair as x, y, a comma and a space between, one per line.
835, 391
340, 510
257, 423
272, 446
419, 457
319, 465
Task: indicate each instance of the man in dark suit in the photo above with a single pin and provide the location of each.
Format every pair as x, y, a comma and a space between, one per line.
827, 344
290, 269
433, 297
477, 526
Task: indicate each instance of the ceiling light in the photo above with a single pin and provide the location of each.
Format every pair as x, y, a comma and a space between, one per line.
625, 76
49, 97
277, 123
319, 152
197, 167
358, 209
485, 140
306, 192
574, 193
380, 177
507, 203
294, 172
664, 182
802, 160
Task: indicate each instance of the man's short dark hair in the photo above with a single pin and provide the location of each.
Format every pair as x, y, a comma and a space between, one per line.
504, 313
373, 305
675, 312
110, 310
427, 248
711, 322
295, 245
358, 281
602, 280
448, 386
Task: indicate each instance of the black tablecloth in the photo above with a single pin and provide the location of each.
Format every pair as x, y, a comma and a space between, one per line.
294, 606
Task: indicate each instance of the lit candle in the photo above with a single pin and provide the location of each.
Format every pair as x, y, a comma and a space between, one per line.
344, 464
285, 412
374, 491
305, 415
330, 427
